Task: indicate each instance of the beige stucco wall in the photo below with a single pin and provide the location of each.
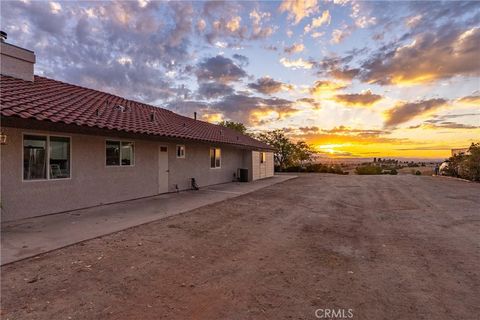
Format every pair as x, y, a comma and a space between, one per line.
262, 170
92, 183
16, 62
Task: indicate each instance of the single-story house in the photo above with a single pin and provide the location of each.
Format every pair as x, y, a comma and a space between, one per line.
67, 147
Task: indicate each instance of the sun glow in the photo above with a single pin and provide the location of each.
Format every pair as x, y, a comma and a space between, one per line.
330, 148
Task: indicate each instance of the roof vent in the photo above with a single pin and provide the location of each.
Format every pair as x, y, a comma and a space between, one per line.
221, 132
3, 36
152, 117
121, 108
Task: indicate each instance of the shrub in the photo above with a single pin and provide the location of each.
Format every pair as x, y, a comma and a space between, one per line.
418, 173
368, 170
393, 172
466, 166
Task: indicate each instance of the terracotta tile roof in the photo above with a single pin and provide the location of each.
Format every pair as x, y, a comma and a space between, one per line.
50, 100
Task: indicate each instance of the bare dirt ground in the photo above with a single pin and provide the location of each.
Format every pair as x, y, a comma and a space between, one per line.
388, 247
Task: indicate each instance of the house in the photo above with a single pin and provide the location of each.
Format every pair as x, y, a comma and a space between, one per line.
66, 147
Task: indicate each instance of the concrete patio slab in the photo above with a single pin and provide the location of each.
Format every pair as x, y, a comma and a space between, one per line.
29, 237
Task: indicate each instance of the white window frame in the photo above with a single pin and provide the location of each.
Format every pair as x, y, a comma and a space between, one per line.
184, 151
120, 163
47, 160
220, 158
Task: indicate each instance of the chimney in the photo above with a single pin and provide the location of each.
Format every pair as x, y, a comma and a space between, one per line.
15, 61
195, 115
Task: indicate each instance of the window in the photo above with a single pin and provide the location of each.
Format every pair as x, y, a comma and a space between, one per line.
127, 153
46, 157
262, 157
119, 153
59, 159
180, 151
215, 158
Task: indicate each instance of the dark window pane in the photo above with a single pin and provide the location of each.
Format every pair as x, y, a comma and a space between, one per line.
127, 153
34, 157
113, 153
59, 157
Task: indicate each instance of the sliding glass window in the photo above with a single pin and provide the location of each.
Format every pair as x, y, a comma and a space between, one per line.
38, 164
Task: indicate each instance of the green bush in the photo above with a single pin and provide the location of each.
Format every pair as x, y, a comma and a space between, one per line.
368, 170
466, 166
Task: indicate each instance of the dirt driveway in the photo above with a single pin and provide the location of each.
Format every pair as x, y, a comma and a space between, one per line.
387, 247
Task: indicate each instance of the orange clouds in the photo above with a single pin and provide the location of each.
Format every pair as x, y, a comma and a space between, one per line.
325, 87
364, 99
298, 9
428, 58
405, 111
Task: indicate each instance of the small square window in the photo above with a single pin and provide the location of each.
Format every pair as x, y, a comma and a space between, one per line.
119, 153
181, 151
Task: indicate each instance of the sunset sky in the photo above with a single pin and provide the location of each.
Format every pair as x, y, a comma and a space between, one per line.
354, 79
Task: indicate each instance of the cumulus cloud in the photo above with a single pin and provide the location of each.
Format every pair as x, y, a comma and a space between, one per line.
267, 85
298, 9
295, 48
473, 100
325, 87
310, 102
210, 90
325, 18
227, 25
406, 111
296, 64
254, 110
259, 30
242, 60
219, 69
429, 57
249, 110
361, 20
338, 35
364, 99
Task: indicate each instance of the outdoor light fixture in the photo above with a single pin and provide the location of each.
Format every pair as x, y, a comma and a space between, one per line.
3, 138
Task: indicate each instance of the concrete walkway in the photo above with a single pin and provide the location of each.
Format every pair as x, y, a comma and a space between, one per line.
29, 237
